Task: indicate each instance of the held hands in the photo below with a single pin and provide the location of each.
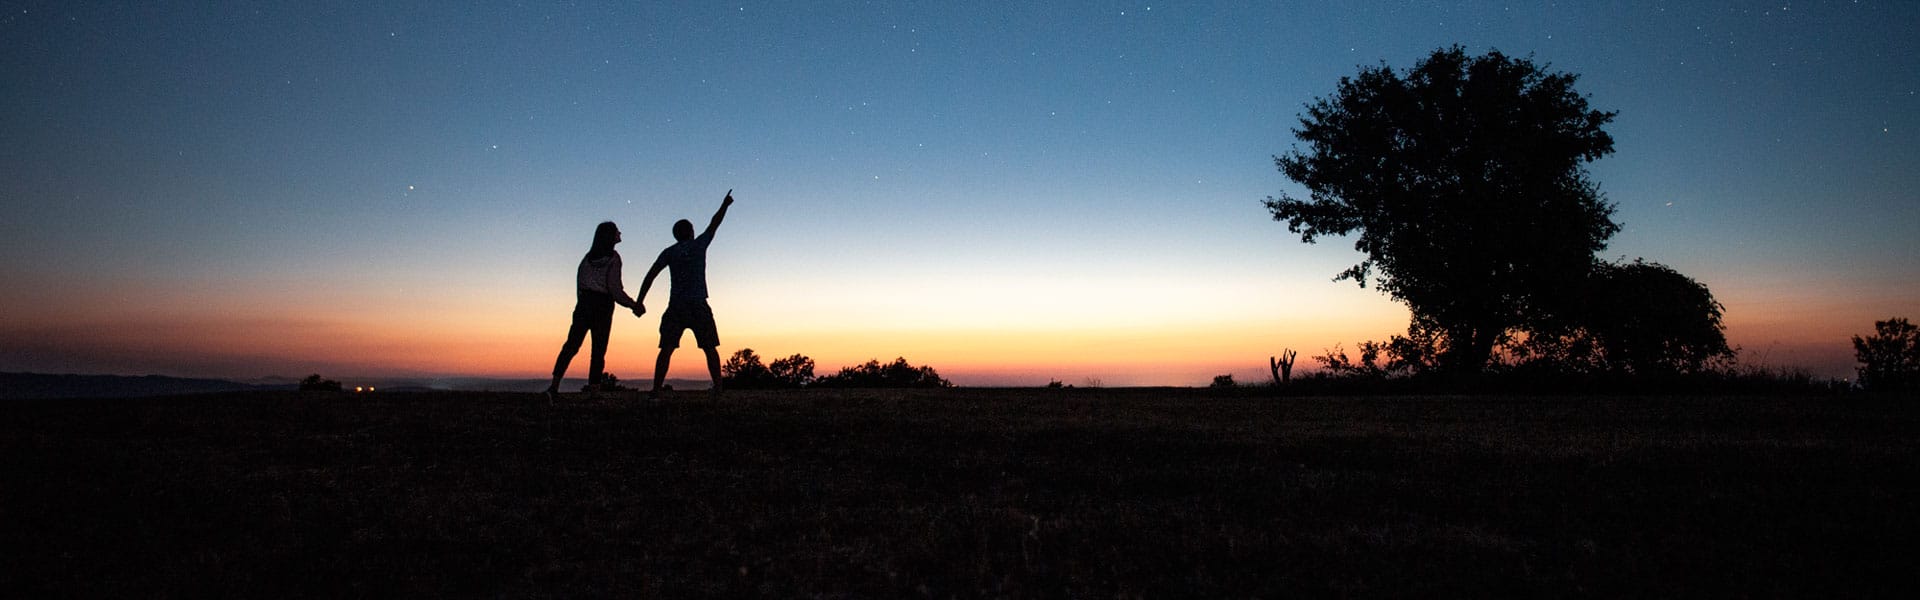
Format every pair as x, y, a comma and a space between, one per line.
639, 309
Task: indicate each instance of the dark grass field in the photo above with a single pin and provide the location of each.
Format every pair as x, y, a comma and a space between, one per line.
1074, 493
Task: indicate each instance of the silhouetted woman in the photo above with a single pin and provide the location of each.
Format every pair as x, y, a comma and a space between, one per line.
597, 288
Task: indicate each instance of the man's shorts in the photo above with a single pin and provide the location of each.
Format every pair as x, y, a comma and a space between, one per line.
682, 315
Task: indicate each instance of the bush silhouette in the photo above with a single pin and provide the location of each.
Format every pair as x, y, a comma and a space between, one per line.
897, 374
1640, 318
608, 383
792, 372
314, 383
744, 371
1889, 359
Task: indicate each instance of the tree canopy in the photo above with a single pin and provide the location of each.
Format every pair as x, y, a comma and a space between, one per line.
1464, 181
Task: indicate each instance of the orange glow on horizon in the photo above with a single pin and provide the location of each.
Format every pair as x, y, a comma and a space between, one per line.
1123, 333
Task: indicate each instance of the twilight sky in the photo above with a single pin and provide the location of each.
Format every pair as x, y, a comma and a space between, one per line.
1010, 192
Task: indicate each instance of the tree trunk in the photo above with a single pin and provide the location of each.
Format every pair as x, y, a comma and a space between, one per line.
1469, 348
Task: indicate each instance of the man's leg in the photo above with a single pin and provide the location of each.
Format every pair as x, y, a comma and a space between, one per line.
713, 368
670, 330
660, 368
708, 336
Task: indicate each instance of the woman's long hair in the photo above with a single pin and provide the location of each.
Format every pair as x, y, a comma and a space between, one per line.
603, 240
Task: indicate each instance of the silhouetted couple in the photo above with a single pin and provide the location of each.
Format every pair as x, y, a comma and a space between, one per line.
598, 289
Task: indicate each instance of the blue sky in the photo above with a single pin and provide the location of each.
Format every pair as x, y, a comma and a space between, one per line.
1008, 192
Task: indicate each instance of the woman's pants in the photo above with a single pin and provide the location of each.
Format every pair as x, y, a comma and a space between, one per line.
592, 313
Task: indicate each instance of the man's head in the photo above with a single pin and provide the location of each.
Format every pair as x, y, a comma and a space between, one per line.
683, 230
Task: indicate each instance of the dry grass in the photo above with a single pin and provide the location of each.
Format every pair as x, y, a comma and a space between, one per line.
1096, 493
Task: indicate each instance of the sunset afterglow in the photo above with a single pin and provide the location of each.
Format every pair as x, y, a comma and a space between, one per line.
1012, 195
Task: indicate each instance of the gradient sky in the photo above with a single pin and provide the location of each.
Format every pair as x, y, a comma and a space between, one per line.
1010, 192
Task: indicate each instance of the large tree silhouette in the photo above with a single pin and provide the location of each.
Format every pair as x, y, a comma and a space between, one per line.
1464, 179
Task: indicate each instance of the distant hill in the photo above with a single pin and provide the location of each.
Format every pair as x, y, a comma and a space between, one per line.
487, 384
17, 386
20, 386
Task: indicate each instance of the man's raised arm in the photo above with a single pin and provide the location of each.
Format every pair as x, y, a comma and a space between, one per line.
719, 215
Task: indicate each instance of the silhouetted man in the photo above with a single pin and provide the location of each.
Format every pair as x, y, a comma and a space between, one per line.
687, 302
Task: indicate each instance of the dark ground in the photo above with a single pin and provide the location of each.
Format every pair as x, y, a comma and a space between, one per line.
1038, 493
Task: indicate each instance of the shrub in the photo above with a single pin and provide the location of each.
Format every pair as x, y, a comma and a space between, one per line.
608, 383
897, 374
1889, 359
792, 372
313, 383
744, 371
1641, 317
